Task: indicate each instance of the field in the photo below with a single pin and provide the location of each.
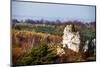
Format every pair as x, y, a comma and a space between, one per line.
36, 43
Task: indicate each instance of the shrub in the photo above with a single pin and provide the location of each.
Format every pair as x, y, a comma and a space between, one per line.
39, 55
26, 60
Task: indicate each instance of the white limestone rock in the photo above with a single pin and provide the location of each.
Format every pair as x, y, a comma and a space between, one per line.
85, 47
60, 51
71, 39
94, 41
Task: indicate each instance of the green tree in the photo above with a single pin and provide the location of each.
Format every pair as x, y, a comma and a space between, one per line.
39, 55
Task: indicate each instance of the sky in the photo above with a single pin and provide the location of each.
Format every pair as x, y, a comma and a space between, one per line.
52, 12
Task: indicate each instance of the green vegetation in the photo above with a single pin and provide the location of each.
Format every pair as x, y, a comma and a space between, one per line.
87, 33
39, 55
43, 29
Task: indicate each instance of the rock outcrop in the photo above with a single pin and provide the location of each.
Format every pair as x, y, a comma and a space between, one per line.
71, 38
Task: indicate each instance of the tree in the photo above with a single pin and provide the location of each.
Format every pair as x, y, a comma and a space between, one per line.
39, 55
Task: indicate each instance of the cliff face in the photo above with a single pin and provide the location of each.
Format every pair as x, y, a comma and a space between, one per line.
71, 39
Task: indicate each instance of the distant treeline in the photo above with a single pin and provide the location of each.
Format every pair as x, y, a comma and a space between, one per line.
57, 22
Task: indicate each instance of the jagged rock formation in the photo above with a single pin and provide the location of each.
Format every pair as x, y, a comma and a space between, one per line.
71, 38
73, 50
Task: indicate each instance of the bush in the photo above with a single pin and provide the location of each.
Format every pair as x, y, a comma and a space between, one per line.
26, 60
39, 55
40, 50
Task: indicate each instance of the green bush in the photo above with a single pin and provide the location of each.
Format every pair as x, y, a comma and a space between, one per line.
40, 50
39, 55
26, 60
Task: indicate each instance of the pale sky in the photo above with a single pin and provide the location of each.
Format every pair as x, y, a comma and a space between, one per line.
37, 11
